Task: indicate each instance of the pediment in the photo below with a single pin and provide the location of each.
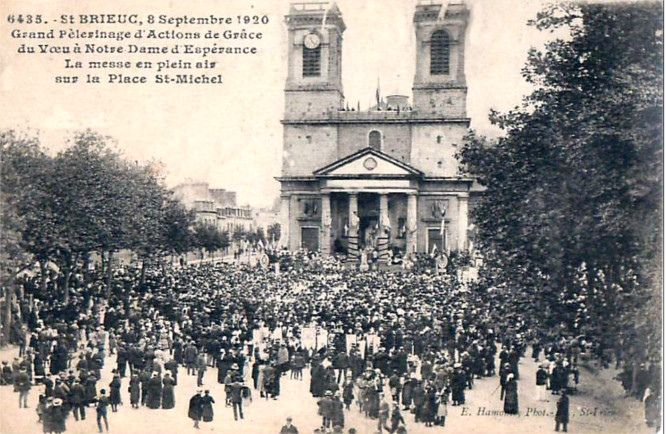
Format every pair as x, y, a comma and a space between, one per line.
368, 162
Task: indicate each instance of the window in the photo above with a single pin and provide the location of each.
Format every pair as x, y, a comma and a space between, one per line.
311, 62
375, 140
439, 53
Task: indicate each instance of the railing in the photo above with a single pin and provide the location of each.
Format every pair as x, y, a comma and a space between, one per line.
310, 6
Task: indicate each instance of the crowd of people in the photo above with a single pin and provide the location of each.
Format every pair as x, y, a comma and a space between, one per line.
387, 343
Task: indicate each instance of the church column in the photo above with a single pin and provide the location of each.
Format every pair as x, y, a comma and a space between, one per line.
285, 220
411, 223
325, 224
353, 223
353, 214
384, 223
462, 221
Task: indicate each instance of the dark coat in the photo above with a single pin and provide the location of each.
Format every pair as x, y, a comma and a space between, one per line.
168, 398
235, 392
135, 389
195, 409
114, 394
337, 413
207, 413
511, 397
562, 414
154, 396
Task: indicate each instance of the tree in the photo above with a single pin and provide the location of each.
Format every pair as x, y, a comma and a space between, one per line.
260, 236
209, 238
239, 233
94, 202
22, 163
274, 232
570, 219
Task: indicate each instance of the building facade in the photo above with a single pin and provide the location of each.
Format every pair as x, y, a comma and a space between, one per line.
214, 206
386, 178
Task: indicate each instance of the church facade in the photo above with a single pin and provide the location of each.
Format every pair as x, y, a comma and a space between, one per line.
385, 178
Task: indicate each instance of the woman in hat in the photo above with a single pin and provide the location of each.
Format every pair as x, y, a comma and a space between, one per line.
114, 396
168, 398
511, 395
56, 416
207, 402
154, 392
135, 390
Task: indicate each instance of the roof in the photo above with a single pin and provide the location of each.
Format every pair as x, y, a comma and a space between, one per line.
383, 164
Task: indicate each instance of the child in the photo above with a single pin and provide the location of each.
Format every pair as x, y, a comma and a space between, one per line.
41, 407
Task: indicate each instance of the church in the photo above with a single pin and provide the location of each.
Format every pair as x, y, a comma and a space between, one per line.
383, 179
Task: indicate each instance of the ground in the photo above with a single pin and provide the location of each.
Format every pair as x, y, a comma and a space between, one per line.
599, 407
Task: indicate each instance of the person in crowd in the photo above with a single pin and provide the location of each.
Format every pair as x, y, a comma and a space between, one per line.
168, 395
207, 402
288, 428
114, 395
511, 395
195, 408
23, 385
102, 408
135, 390
562, 413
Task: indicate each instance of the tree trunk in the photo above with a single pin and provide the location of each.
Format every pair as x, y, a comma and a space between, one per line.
7, 314
86, 265
68, 276
634, 373
142, 277
43, 273
102, 265
109, 276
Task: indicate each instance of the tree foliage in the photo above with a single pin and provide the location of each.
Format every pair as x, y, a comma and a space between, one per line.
274, 232
209, 238
87, 198
570, 221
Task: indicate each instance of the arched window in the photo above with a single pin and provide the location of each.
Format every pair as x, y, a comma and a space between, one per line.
375, 140
311, 62
439, 53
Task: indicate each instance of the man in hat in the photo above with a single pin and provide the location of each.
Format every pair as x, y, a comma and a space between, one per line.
77, 397
288, 428
201, 365
190, 354
541, 380
505, 370
102, 408
236, 398
22, 384
325, 409
562, 414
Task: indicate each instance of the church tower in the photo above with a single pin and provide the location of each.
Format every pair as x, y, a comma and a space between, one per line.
440, 88
314, 78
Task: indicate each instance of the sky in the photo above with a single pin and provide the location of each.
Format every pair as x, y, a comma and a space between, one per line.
230, 135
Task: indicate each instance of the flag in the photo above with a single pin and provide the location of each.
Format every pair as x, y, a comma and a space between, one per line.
323, 21
377, 94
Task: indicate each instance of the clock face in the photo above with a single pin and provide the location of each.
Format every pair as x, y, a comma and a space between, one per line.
311, 41
370, 163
